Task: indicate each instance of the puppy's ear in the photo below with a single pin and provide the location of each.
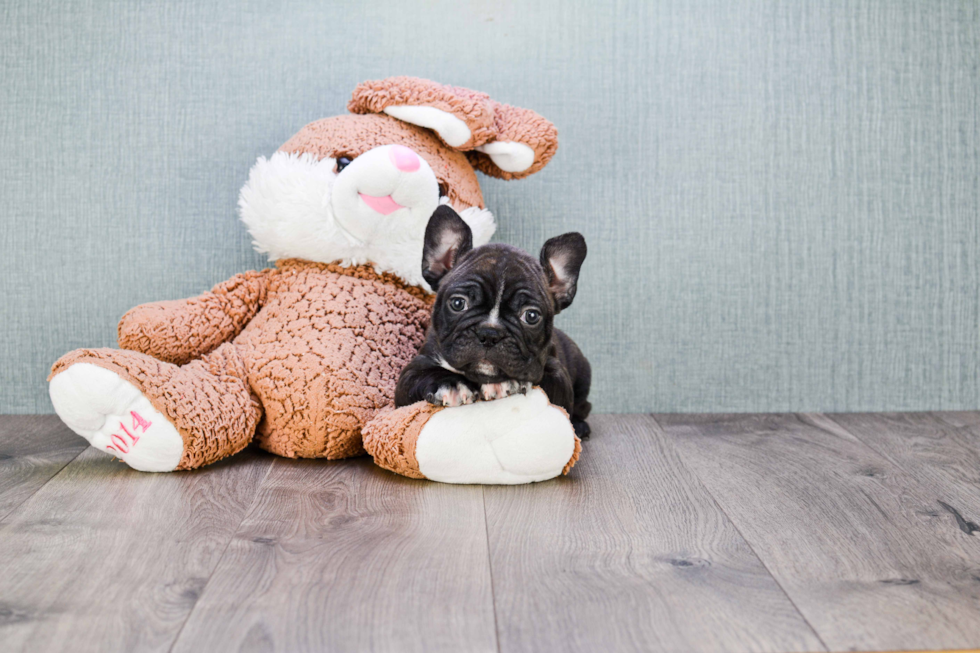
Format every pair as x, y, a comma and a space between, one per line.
561, 258
447, 238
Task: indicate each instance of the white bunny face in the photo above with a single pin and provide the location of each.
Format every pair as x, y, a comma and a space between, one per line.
373, 209
388, 191
360, 188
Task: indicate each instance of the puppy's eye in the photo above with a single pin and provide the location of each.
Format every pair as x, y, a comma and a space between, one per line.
531, 317
342, 162
443, 189
458, 304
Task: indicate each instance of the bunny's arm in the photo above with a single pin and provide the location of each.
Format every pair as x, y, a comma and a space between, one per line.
183, 330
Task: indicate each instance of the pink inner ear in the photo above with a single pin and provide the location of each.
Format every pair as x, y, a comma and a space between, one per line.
557, 283
445, 262
557, 264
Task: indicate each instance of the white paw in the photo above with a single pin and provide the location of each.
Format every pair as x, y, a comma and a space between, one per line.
452, 395
520, 439
491, 391
115, 418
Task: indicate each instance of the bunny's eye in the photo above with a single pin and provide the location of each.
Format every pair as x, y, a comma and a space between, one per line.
342, 162
458, 304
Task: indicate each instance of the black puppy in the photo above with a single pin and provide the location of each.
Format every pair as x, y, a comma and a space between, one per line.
491, 333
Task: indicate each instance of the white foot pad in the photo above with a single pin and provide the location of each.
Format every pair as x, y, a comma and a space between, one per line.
115, 418
520, 439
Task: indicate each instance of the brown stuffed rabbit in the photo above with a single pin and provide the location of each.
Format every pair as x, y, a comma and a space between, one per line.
304, 357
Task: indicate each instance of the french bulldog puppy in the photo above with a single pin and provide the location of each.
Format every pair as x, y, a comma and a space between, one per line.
492, 332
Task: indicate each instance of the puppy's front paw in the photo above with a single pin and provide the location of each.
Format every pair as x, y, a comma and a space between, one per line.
490, 391
457, 394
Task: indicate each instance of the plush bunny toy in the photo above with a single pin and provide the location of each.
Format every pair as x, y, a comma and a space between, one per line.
304, 357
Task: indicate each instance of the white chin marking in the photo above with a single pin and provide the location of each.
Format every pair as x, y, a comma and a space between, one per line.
520, 439
444, 364
115, 418
486, 369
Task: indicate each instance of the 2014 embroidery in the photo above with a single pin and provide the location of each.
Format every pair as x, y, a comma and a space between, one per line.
121, 444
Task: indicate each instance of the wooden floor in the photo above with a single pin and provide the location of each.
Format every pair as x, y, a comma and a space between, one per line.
673, 533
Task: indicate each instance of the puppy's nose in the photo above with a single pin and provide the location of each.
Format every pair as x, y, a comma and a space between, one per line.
404, 159
489, 335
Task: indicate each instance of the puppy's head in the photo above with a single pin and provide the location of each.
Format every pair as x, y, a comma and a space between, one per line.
493, 314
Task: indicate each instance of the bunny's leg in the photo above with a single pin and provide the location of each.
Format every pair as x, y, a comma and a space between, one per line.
152, 415
520, 439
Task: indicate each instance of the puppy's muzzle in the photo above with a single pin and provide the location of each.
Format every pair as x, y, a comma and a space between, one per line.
489, 335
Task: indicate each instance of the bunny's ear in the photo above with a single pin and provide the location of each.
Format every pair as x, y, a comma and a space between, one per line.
499, 140
524, 144
462, 118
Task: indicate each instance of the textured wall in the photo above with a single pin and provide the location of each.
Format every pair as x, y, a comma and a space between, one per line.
781, 198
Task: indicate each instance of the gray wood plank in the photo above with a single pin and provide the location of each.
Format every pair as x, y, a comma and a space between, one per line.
344, 556
945, 449
630, 553
33, 448
855, 540
966, 439
969, 420
104, 558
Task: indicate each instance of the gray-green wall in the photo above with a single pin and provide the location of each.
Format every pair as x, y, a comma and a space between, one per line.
780, 198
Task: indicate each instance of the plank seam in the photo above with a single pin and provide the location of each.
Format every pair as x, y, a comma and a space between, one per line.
493, 592
967, 527
936, 416
680, 458
14, 509
224, 551
866, 444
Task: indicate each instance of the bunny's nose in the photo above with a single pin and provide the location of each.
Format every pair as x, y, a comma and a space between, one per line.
404, 159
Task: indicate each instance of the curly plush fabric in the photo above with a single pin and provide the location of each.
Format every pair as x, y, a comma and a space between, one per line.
304, 357
319, 358
574, 458
487, 119
521, 126
472, 107
391, 436
208, 400
353, 135
186, 329
325, 353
